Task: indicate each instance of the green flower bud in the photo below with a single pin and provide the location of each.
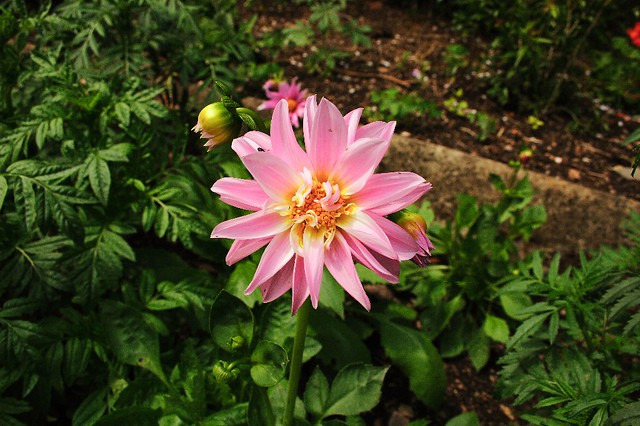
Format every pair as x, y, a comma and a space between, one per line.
237, 342
225, 372
217, 124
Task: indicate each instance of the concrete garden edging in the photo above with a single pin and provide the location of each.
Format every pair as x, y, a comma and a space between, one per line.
579, 218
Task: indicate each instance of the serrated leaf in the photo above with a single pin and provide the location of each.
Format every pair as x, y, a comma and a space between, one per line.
355, 389
123, 112
234, 416
99, 178
130, 338
4, 188
25, 199
527, 328
91, 409
117, 153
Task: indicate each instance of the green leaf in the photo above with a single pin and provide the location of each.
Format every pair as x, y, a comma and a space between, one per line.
269, 363
260, 411
527, 328
138, 416
117, 153
340, 343
123, 113
496, 328
13, 406
514, 303
130, 338
231, 323
234, 416
466, 213
316, 393
332, 294
629, 415
77, 354
91, 409
465, 419
4, 188
356, 389
239, 280
416, 356
99, 178
479, 349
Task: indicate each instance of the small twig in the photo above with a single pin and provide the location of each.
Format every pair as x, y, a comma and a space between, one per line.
387, 77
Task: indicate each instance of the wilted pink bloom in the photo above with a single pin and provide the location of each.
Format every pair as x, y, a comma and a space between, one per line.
417, 74
322, 207
415, 225
291, 92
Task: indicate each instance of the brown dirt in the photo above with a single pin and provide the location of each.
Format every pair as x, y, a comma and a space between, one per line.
404, 39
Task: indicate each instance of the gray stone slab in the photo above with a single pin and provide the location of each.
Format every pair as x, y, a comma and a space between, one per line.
578, 217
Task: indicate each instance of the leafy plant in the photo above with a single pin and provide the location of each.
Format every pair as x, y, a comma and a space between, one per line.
572, 354
486, 123
459, 302
391, 104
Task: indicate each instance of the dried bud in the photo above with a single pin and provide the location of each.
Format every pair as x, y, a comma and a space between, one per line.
218, 124
416, 226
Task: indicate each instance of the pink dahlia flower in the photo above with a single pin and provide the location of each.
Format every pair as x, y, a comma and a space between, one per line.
291, 92
319, 207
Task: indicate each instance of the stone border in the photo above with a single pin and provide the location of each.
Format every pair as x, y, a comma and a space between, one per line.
579, 218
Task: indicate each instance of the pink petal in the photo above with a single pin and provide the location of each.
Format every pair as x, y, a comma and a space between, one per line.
299, 288
313, 250
274, 258
352, 119
365, 229
277, 178
401, 241
358, 164
277, 285
388, 269
394, 206
386, 188
243, 248
340, 265
252, 226
377, 129
283, 140
328, 139
251, 143
310, 110
241, 193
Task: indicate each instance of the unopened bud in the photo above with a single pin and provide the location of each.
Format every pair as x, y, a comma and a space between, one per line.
525, 155
225, 372
218, 124
416, 226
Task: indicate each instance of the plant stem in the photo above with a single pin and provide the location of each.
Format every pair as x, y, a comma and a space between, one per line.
296, 362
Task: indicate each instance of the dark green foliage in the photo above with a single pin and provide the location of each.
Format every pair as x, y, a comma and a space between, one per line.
573, 352
553, 55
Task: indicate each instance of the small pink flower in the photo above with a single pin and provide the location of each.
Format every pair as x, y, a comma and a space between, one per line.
634, 34
319, 207
291, 92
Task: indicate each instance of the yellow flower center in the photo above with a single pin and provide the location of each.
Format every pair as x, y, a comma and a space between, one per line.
293, 104
318, 205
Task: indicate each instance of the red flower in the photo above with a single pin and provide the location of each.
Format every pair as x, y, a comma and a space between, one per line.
634, 34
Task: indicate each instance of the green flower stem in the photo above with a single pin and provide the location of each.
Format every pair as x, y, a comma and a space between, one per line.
251, 119
296, 361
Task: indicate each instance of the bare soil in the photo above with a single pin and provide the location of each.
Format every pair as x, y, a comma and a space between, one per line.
406, 38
